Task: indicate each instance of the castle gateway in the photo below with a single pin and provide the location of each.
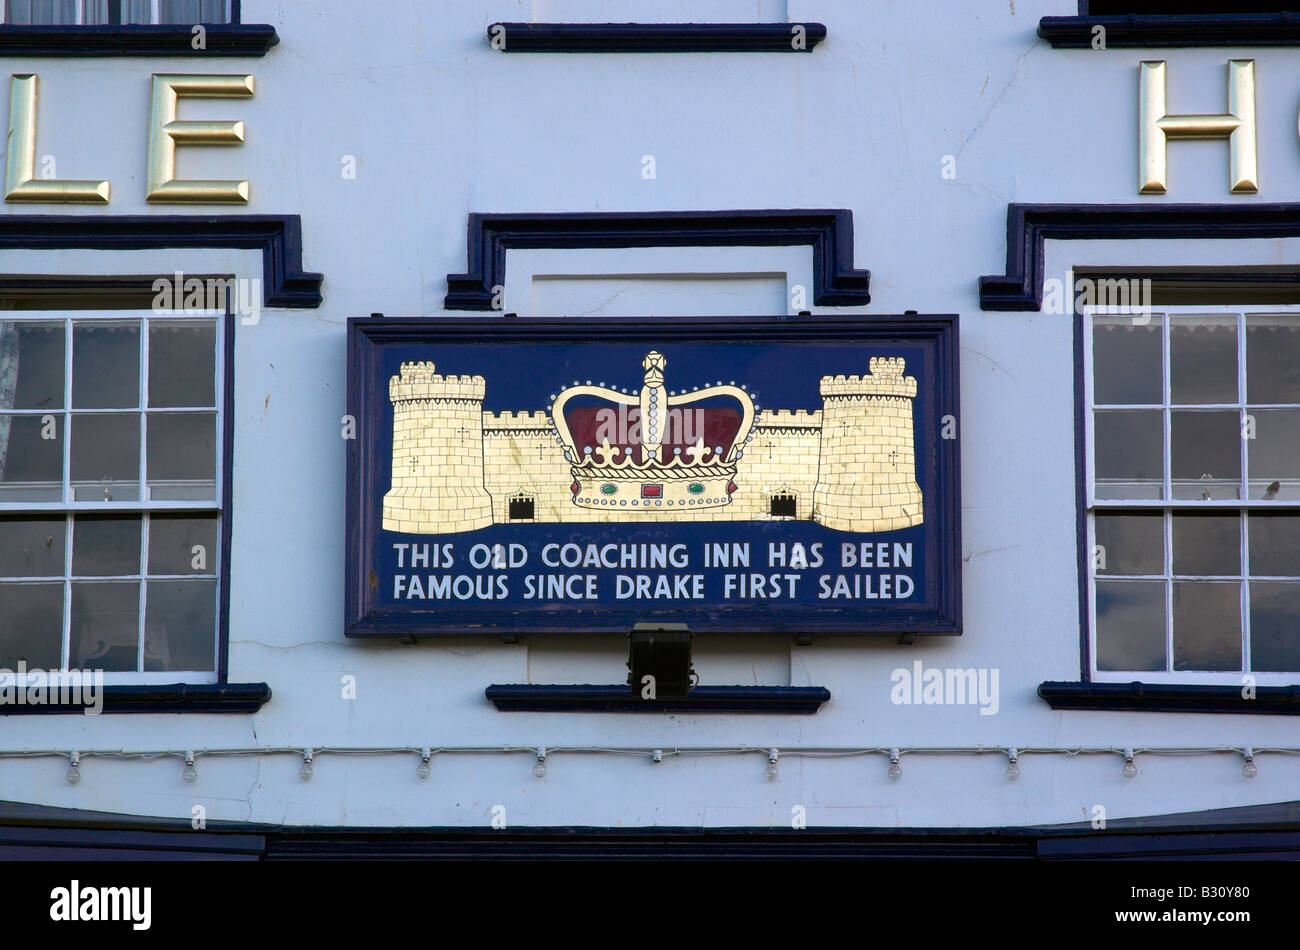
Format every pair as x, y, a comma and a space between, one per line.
725, 474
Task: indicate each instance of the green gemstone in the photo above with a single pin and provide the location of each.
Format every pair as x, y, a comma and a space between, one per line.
608, 489
695, 488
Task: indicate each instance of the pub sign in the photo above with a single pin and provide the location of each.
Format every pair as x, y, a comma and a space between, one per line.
581, 475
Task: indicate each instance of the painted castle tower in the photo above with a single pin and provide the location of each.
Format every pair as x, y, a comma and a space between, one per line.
601, 455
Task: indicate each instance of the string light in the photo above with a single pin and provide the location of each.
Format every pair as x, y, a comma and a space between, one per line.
1013, 764
73, 775
539, 767
422, 770
1247, 755
1130, 770
189, 773
895, 770
772, 771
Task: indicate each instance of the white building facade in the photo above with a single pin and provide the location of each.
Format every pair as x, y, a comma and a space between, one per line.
175, 462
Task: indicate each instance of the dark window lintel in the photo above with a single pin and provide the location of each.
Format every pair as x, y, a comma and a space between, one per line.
219, 39
803, 700
169, 698
1172, 697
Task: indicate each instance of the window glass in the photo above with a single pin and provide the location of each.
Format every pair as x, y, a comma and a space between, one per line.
1130, 544
1130, 625
106, 576
1127, 360
1205, 582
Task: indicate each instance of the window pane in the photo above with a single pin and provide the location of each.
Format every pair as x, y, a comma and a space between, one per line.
41, 12
1127, 361
1130, 544
102, 547
1275, 626
105, 625
182, 363
94, 12
192, 11
1206, 450
1275, 545
182, 455
172, 540
1274, 455
106, 454
1130, 625
1207, 544
180, 625
105, 364
136, 11
31, 365
31, 546
31, 466
1207, 626
31, 625
1203, 359
1273, 358
1129, 446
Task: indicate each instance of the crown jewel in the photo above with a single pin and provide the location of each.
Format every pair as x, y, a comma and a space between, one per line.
653, 448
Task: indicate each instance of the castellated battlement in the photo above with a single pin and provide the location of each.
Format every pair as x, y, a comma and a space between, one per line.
886, 379
418, 381
494, 422
788, 419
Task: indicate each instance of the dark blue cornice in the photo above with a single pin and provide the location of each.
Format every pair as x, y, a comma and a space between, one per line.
836, 282
655, 37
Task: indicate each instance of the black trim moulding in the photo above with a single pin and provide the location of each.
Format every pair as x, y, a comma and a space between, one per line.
278, 236
220, 39
170, 698
1147, 697
836, 282
802, 700
1030, 225
1208, 29
654, 37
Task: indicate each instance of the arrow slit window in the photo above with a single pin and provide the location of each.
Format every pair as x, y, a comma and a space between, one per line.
1193, 434
110, 492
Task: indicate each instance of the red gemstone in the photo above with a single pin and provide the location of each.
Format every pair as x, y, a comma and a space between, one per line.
575, 488
652, 491
731, 487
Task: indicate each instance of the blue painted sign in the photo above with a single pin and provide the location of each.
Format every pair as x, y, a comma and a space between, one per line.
581, 475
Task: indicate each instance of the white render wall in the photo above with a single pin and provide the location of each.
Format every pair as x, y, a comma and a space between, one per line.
440, 125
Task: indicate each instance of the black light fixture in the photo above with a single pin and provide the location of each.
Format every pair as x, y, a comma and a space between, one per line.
662, 652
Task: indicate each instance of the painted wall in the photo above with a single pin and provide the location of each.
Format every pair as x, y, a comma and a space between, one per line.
439, 125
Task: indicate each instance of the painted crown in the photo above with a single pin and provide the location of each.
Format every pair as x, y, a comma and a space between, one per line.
653, 449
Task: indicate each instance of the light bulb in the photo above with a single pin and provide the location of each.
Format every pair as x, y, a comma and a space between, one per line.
189, 773
1013, 764
306, 772
772, 771
1130, 770
73, 775
1248, 768
539, 767
657, 755
422, 770
895, 770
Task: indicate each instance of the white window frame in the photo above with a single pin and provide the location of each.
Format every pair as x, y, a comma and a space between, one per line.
1168, 505
141, 505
